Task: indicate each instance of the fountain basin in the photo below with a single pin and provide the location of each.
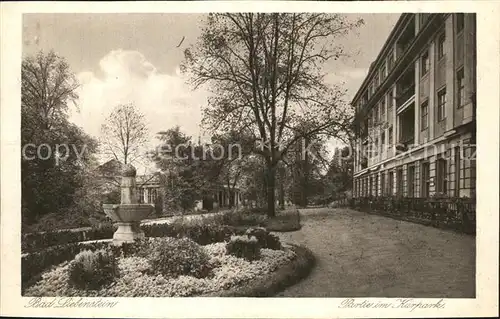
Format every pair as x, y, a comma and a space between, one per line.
128, 219
127, 212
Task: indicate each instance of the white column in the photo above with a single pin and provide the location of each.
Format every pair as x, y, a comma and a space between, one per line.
432, 91
417, 101
469, 33
395, 130
450, 70
417, 23
145, 195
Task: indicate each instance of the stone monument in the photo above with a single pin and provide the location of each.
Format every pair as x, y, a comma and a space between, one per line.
128, 214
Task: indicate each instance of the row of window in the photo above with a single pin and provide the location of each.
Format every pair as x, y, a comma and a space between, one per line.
441, 101
425, 61
369, 186
440, 45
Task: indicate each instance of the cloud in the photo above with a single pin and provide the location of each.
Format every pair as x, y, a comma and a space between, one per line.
128, 77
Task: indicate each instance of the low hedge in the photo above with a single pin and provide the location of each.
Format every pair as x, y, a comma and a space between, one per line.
277, 281
31, 242
203, 234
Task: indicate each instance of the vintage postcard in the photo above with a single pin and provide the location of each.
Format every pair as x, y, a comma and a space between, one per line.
250, 159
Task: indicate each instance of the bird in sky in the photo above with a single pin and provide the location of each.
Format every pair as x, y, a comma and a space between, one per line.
181, 42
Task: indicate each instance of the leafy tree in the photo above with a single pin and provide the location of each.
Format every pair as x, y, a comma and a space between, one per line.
264, 71
124, 134
52, 178
231, 151
253, 180
307, 161
175, 159
338, 178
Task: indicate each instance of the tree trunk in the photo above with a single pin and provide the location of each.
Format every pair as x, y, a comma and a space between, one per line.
270, 182
282, 188
304, 180
282, 196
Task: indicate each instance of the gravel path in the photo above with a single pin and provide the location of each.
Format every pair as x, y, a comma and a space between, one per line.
363, 255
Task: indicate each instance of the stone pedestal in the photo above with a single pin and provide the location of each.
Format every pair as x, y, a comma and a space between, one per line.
127, 232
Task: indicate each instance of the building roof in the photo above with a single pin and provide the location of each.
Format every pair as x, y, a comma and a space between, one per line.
378, 60
111, 168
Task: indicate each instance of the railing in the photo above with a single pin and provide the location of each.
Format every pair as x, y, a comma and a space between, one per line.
450, 213
407, 139
406, 95
364, 162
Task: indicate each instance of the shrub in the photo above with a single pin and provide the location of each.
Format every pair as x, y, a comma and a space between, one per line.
199, 231
244, 246
284, 221
236, 218
93, 269
175, 257
140, 248
265, 238
32, 265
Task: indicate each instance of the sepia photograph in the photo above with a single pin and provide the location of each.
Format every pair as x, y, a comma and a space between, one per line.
246, 153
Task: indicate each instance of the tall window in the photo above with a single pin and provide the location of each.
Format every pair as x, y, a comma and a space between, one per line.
376, 185
425, 63
375, 115
441, 104
382, 109
390, 135
370, 190
383, 189
391, 183
460, 88
440, 46
383, 72
382, 143
389, 102
375, 150
460, 22
457, 171
425, 179
410, 181
424, 111
399, 181
442, 176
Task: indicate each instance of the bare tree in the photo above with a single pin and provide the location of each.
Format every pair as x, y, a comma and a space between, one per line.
265, 71
124, 133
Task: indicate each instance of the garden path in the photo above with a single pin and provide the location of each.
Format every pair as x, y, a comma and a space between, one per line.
363, 255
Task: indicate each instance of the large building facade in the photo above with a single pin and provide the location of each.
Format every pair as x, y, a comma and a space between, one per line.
415, 111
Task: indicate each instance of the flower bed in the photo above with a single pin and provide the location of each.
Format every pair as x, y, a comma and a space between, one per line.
138, 276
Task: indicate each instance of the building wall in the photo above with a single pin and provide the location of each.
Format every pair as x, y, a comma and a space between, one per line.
443, 136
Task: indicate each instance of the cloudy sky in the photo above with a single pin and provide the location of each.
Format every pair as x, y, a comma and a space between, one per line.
133, 58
